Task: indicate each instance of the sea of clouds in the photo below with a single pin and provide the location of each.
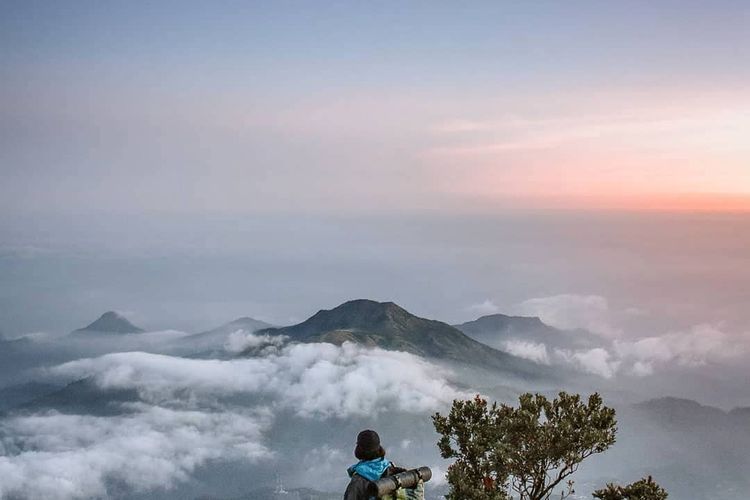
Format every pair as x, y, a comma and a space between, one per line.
53, 455
191, 412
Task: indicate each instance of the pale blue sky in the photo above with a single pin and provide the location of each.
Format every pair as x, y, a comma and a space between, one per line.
250, 106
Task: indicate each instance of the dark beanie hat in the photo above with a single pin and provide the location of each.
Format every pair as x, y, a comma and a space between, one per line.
368, 446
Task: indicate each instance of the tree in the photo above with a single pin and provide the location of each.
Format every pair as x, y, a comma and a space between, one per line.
645, 489
530, 450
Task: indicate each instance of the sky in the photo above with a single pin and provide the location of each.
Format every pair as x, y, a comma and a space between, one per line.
188, 163
298, 107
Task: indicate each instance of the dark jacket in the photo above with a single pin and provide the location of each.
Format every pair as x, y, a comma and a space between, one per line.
357, 489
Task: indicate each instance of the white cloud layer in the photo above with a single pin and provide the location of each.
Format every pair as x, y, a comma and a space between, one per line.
318, 380
55, 456
534, 351
190, 413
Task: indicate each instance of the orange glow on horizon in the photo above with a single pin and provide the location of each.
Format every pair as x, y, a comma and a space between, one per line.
663, 202
646, 202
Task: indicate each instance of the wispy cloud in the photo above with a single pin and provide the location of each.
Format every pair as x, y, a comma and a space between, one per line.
241, 340
598, 361
653, 127
534, 351
623, 352
571, 311
483, 308
698, 346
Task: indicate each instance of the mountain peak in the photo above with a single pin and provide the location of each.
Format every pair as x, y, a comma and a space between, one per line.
111, 322
389, 326
368, 305
361, 315
366, 308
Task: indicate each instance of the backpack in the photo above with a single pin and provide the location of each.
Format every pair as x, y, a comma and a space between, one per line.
416, 493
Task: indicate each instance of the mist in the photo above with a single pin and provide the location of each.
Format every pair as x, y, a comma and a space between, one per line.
660, 293
647, 273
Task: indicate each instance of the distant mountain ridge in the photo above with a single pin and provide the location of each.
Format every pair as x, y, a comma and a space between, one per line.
244, 323
16, 395
505, 322
110, 322
214, 339
686, 412
389, 326
82, 396
496, 329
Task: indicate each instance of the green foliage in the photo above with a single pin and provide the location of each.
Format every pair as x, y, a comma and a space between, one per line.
645, 489
530, 450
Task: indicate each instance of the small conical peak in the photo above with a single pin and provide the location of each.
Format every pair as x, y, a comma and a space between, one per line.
112, 322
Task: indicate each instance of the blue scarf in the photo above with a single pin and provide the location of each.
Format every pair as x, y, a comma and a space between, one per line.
372, 470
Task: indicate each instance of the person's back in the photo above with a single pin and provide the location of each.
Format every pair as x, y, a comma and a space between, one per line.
372, 466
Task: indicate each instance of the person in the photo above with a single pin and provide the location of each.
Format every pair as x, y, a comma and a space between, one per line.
372, 465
